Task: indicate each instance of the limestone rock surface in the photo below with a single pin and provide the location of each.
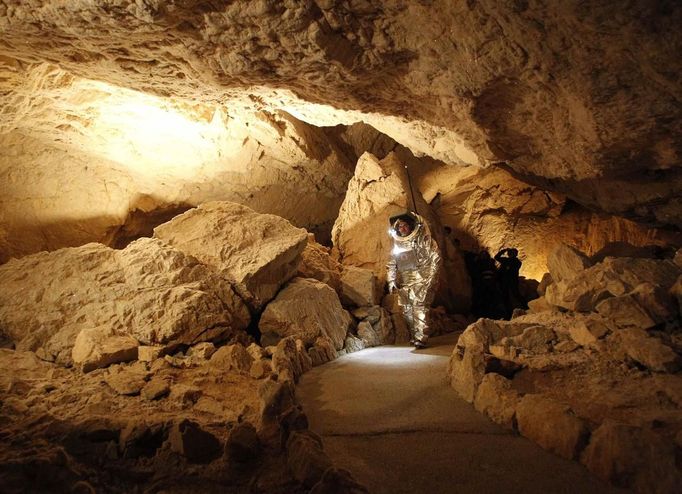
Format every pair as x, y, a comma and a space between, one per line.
495, 110
322, 351
188, 439
148, 291
232, 357
71, 419
565, 263
552, 425
587, 331
649, 351
492, 208
614, 277
632, 458
497, 399
306, 309
290, 359
258, 253
307, 460
94, 348
317, 263
359, 286
625, 312
468, 363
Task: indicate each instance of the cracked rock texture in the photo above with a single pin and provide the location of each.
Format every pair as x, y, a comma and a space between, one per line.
74, 432
258, 253
489, 208
596, 385
582, 97
306, 309
148, 291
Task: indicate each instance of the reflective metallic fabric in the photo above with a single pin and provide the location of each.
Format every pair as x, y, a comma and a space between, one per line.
413, 269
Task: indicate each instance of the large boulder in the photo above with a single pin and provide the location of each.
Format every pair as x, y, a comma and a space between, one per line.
470, 360
306, 308
258, 253
565, 262
497, 399
359, 287
148, 291
633, 458
552, 425
612, 278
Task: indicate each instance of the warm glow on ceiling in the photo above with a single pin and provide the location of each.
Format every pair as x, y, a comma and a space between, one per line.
154, 136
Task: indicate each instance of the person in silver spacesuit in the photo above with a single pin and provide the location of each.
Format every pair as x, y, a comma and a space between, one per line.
412, 271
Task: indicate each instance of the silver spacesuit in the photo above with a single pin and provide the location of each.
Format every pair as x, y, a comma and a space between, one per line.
413, 270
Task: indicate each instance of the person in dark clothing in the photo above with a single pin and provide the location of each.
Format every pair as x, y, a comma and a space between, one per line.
487, 300
508, 275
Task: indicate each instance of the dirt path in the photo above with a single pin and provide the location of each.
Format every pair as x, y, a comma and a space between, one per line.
388, 415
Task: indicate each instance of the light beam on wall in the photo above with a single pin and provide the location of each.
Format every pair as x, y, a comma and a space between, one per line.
154, 136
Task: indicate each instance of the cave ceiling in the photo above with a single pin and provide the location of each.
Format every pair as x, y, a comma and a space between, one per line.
579, 97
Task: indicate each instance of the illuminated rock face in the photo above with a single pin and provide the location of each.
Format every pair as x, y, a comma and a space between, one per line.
258, 253
148, 291
84, 161
488, 208
555, 90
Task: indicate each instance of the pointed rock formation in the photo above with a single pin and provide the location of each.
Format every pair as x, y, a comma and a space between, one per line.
379, 190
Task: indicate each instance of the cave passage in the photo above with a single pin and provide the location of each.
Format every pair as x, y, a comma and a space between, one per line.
194, 205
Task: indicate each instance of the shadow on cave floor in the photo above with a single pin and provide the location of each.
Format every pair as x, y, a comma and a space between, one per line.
389, 416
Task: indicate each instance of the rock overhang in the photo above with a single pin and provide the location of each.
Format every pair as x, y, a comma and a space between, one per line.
555, 92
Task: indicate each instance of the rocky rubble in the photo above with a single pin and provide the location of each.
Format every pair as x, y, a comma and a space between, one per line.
146, 424
594, 374
132, 368
100, 300
256, 252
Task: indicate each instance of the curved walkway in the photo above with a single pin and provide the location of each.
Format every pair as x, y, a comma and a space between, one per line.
388, 415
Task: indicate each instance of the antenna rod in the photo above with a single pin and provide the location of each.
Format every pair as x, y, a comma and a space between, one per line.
409, 181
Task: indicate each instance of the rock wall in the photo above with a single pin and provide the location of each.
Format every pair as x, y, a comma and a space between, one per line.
489, 208
582, 96
591, 373
83, 161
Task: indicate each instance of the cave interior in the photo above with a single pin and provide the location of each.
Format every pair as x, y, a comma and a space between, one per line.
195, 198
